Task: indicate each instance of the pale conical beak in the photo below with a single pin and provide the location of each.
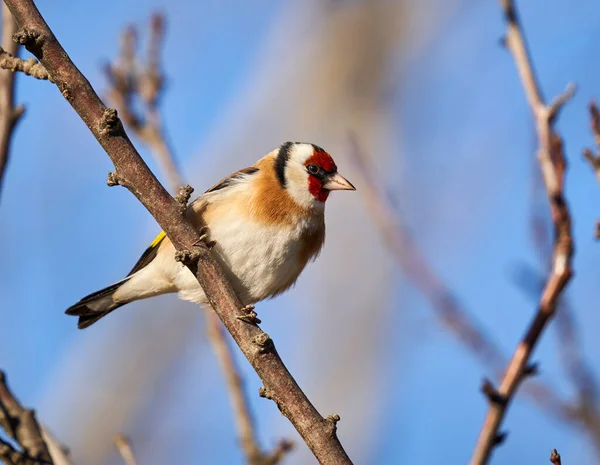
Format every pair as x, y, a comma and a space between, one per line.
337, 182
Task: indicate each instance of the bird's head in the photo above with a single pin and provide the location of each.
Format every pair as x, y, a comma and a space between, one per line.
308, 173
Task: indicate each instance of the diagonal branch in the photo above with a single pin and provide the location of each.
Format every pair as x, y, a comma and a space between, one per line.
131, 171
588, 154
552, 163
9, 114
123, 445
129, 82
21, 425
445, 304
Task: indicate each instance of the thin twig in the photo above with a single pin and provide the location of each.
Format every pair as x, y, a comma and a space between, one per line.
124, 447
319, 433
21, 425
30, 67
445, 304
588, 154
135, 81
128, 84
571, 354
9, 114
552, 164
555, 457
58, 451
239, 402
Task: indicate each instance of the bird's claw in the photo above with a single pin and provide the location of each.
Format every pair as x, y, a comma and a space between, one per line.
204, 238
250, 316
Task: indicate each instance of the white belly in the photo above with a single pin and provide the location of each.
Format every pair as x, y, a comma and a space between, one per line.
256, 259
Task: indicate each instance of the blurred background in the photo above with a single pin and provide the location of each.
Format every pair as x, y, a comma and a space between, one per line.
435, 105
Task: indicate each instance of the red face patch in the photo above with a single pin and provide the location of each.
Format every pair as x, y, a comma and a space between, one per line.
322, 160
315, 186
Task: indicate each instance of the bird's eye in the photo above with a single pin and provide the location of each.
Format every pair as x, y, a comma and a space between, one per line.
314, 169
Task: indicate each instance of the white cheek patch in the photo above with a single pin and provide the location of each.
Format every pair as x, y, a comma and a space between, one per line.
297, 185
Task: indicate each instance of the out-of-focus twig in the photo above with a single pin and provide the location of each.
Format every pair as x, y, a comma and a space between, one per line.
555, 457
9, 114
124, 447
239, 402
21, 425
445, 304
135, 82
58, 451
552, 163
589, 155
130, 83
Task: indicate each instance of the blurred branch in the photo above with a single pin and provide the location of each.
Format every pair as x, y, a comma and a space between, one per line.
133, 81
589, 155
124, 447
129, 84
555, 457
553, 165
445, 304
239, 402
59, 452
9, 114
21, 425
319, 433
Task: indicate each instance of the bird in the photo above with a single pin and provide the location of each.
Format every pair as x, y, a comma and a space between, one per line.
263, 225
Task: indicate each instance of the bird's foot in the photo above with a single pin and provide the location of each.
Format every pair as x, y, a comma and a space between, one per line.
205, 238
250, 316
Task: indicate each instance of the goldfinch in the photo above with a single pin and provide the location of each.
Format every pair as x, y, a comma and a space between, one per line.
266, 223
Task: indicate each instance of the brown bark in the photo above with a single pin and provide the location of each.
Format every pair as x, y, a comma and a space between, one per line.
552, 164
131, 171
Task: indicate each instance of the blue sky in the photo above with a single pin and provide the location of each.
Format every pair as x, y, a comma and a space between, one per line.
462, 174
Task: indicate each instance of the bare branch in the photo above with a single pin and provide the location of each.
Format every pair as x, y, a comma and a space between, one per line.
555, 457
58, 451
9, 114
133, 80
444, 302
318, 433
588, 154
21, 425
239, 403
552, 163
30, 67
124, 447
129, 83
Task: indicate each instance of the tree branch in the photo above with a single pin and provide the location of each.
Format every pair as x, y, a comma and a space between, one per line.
555, 457
552, 164
124, 447
30, 67
131, 81
445, 304
9, 114
589, 155
21, 425
131, 171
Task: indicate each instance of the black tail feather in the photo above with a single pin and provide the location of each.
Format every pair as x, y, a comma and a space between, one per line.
89, 315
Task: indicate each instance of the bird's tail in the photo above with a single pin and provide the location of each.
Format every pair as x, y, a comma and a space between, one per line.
96, 305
